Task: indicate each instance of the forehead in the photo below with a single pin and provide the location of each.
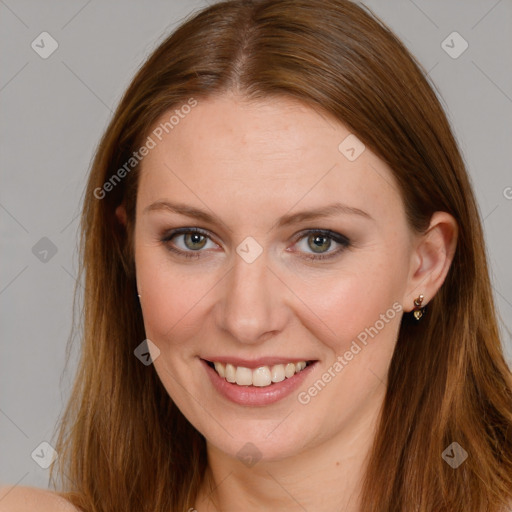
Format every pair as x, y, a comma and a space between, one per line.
273, 153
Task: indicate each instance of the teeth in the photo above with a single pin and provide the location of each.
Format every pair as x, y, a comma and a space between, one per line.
221, 370
243, 376
289, 370
230, 372
260, 377
277, 373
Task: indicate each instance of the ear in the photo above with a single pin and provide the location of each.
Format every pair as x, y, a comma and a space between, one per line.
431, 259
121, 214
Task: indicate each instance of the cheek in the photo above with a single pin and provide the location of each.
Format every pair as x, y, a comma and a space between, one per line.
347, 303
170, 294
358, 319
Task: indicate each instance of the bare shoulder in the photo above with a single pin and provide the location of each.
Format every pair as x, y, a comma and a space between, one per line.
24, 499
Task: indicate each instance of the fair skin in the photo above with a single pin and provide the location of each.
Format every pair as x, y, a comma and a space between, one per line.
247, 165
23, 499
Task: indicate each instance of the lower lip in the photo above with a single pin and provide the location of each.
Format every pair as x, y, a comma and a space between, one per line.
254, 395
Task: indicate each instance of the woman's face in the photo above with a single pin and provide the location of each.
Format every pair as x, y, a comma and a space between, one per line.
264, 284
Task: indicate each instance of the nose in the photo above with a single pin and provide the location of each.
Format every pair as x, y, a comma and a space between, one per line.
253, 307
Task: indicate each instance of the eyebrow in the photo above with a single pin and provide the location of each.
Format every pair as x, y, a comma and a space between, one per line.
286, 220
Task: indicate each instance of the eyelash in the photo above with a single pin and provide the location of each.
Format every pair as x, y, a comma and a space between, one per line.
332, 235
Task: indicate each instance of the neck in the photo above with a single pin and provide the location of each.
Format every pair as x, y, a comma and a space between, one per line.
326, 477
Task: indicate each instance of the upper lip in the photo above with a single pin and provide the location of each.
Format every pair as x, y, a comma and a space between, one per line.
254, 363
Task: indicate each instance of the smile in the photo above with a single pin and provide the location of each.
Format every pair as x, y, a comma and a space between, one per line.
260, 377
261, 385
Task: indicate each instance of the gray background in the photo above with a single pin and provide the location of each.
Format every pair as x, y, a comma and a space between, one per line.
54, 110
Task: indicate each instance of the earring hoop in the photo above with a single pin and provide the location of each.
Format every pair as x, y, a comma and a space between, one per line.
418, 310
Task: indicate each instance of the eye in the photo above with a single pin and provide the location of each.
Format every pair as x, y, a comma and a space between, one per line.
192, 241
320, 241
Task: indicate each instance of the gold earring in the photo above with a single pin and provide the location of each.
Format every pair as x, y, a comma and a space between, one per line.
418, 310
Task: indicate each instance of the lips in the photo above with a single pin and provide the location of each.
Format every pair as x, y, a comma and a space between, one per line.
254, 395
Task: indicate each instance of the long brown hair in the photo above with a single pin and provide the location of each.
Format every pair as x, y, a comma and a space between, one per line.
123, 444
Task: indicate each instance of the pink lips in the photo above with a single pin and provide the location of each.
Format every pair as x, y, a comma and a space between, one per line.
252, 395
